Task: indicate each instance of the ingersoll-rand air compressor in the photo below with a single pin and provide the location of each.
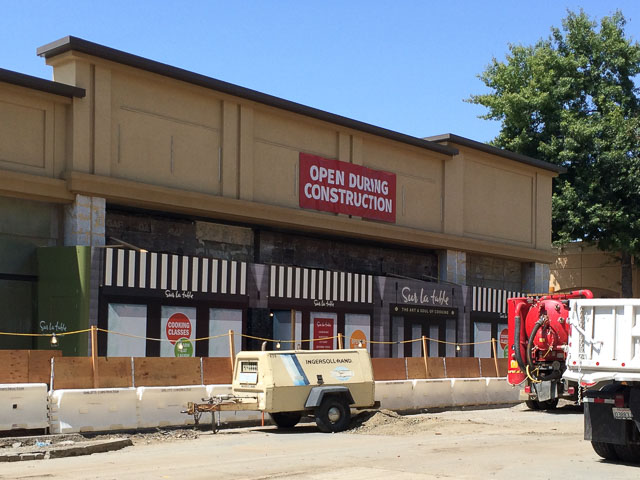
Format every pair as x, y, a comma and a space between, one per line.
538, 335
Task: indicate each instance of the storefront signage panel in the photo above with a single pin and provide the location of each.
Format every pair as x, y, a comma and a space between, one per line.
323, 330
424, 311
341, 187
425, 296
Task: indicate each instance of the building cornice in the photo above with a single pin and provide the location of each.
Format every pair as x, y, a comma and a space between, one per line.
153, 197
70, 43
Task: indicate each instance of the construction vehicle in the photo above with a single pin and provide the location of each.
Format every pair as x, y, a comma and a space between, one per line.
604, 358
538, 336
289, 384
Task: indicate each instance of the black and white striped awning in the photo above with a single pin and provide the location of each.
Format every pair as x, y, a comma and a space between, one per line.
491, 300
313, 284
163, 271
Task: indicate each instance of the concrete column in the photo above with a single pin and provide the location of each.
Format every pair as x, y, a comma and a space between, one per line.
84, 222
535, 277
452, 266
84, 225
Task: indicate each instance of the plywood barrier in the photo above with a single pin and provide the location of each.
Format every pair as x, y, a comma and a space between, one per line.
462, 367
114, 372
14, 366
166, 372
415, 368
436, 367
34, 366
23, 405
389, 369
488, 367
217, 370
26, 366
40, 365
72, 372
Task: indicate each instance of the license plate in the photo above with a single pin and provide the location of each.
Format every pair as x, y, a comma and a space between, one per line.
622, 413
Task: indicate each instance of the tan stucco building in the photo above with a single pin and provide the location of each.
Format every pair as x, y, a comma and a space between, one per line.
235, 209
581, 265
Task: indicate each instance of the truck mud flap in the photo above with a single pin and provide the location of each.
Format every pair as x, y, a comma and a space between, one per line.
546, 390
634, 405
600, 425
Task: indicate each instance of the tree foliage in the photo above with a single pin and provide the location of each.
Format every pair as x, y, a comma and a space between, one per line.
571, 100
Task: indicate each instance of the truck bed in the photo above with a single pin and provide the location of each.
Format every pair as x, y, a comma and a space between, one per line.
604, 343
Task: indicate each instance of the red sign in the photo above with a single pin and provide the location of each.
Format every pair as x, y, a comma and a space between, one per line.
323, 328
341, 187
178, 326
504, 337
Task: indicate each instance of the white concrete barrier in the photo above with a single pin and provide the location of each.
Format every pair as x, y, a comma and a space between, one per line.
469, 391
86, 410
395, 395
432, 393
499, 391
23, 405
162, 406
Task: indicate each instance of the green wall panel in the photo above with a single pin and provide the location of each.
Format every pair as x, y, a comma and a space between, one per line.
63, 297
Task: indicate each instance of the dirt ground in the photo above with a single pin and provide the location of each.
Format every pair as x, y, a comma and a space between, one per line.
488, 443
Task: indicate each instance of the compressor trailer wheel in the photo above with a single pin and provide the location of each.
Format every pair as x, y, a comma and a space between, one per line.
333, 414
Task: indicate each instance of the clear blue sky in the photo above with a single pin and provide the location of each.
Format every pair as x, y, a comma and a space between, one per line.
401, 65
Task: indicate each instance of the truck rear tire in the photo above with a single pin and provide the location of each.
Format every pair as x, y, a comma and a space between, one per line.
546, 405
333, 415
532, 404
605, 450
629, 453
286, 419
549, 404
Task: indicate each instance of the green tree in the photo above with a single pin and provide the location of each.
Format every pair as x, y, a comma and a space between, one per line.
571, 100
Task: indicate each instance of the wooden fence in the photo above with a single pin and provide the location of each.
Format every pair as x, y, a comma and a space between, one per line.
34, 366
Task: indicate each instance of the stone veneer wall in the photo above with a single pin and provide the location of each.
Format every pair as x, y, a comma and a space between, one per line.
191, 237
494, 272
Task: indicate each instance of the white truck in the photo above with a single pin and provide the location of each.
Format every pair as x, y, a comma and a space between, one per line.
288, 384
603, 357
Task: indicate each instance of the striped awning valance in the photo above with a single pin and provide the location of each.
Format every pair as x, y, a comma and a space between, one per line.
163, 271
313, 284
491, 300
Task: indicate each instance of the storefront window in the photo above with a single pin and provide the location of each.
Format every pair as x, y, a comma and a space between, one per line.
357, 330
397, 335
434, 346
416, 347
177, 330
221, 320
451, 338
128, 319
282, 328
482, 333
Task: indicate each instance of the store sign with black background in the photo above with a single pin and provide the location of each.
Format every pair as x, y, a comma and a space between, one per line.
424, 311
424, 302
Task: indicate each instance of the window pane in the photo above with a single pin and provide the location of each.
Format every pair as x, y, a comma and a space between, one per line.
131, 320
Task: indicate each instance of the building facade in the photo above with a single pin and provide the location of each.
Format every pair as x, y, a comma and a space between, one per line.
165, 206
581, 265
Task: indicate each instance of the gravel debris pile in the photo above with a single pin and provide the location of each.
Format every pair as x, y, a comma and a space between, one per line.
387, 422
